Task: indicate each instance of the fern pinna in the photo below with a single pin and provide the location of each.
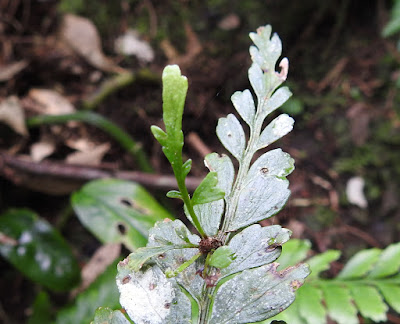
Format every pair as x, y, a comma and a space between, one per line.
367, 280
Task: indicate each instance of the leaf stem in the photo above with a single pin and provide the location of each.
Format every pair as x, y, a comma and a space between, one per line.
186, 198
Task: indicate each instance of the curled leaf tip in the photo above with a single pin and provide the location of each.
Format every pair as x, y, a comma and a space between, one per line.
284, 65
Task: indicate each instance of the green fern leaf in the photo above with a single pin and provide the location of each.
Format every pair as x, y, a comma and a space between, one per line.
368, 285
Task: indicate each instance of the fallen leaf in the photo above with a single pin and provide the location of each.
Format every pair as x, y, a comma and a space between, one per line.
50, 102
42, 149
12, 114
131, 45
91, 156
104, 256
8, 71
355, 192
229, 22
81, 35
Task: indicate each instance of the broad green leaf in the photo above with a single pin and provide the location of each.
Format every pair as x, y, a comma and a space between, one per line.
369, 302
276, 129
41, 309
321, 262
149, 297
309, 301
38, 250
274, 163
262, 197
231, 135
256, 294
388, 263
208, 191
105, 315
221, 164
174, 94
339, 303
360, 264
244, 103
222, 257
256, 246
117, 211
279, 97
294, 251
103, 292
391, 293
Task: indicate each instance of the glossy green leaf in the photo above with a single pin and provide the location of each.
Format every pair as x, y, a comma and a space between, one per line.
293, 252
360, 264
105, 315
391, 293
41, 309
208, 191
276, 129
244, 103
339, 303
102, 292
256, 246
369, 302
321, 262
222, 257
148, 296
388, 263
117, 211
231, 135
310, 305
256, 294
38, 250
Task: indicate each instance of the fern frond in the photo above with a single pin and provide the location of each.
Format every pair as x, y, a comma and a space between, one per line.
368, 285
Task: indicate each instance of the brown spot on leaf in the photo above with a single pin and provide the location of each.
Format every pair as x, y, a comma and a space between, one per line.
126, 279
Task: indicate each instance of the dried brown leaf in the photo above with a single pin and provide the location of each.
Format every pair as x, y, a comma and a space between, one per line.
82, 36
12, 114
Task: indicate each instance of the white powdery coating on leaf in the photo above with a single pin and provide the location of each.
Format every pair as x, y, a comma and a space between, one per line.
146, 297
283, 125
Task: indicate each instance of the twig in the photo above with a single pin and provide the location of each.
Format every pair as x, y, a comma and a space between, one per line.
123, 138
14, 167
197, 143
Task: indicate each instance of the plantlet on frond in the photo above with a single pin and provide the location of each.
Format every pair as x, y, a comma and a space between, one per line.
227, 274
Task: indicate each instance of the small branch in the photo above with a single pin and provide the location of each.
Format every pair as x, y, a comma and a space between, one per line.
21, 171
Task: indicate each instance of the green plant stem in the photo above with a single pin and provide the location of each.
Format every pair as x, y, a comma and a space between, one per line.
123, 138
186, 197
183, 266
244, 167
